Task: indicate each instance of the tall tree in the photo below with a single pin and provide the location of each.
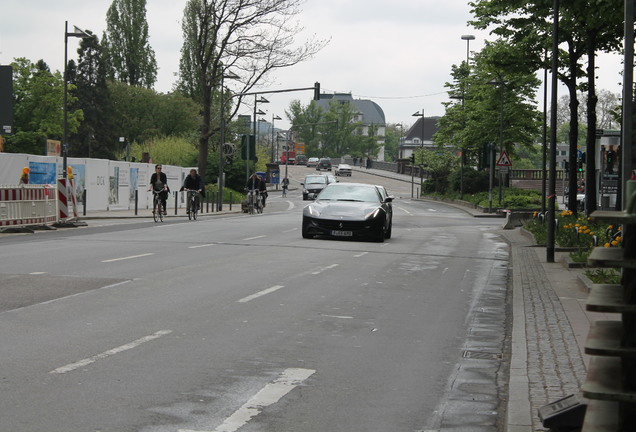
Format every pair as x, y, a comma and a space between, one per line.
247, 37
130, 55
479, 119
96, 136
585, 26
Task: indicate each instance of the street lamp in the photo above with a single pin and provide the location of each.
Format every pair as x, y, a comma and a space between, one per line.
417, 114
221, 181
79, 33
467, 38
501, 85
274, 117
257, 100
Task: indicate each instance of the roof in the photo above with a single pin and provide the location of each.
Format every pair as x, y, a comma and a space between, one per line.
371, 111
430, 127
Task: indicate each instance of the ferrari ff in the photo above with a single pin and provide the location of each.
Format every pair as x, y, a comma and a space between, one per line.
349, 211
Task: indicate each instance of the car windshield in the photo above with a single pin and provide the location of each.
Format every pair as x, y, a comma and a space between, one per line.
315, 179
349, 192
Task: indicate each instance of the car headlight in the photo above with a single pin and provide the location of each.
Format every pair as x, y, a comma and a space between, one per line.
374, 214
312, 211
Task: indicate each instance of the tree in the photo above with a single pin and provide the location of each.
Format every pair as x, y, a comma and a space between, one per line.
38, 100
585, 26
479, 119
96, 135
126, 41
248, 37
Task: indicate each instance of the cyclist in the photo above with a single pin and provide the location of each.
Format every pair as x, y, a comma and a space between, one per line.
285, 186
256, 182
193, 182
159, 182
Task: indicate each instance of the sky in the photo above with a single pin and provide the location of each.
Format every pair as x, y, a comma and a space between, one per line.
397, 53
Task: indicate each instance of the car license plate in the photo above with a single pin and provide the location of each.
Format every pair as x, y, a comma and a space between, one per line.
342, 233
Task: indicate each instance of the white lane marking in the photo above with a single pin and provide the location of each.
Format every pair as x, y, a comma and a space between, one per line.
432, 210
128, 257
268, 395
37, 273
290, 230
261, 293
134, 344
360, 254
253, 238
338, 316
405, 210
202, 246
324, 268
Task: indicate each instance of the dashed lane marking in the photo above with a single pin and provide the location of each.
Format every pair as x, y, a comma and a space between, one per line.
134, 344
261, 293
128, 257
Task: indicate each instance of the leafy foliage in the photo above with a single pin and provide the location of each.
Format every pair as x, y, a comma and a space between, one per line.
126, 41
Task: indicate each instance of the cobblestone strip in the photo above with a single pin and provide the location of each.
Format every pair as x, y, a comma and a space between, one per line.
555, 365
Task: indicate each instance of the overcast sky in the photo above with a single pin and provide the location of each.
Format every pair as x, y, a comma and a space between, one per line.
397, 53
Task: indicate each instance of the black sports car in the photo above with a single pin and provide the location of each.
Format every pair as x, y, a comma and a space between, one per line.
349, 211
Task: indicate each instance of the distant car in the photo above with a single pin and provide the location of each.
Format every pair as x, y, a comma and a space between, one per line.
343, 170
331, 178
349, 211
324, 164
301, 159
312, 162
313, 184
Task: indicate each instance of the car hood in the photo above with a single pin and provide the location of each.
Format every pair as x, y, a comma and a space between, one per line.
315, 186
340, 209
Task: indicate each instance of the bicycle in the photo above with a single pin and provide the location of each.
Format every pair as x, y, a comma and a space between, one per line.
250, 200
193, 199
157, 207
258, 204
284, 191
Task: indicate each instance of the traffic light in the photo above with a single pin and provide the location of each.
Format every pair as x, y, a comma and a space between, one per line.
316, 91
252, 147
412, 157
579, 164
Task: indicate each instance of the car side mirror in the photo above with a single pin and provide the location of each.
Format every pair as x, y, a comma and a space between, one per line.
302, 184
388, 199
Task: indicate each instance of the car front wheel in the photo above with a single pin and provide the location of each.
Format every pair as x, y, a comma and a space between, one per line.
305, 229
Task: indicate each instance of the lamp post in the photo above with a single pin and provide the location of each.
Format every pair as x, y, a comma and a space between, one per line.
79, 33
462, 159
274, 117
256, 113
417, 114
501, 85
221, 180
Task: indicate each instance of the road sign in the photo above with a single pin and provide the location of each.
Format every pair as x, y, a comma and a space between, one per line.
504, 159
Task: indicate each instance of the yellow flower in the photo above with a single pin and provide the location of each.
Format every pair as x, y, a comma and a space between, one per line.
614, 243
606, 245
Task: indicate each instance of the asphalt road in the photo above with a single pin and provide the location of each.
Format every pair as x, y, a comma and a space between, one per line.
237, 323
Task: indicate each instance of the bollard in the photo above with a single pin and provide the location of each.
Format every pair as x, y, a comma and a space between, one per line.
84, 203
136, 202
176, 197
207, 203
230, 201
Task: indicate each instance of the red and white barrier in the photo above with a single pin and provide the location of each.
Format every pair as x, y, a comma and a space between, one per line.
27, 205
66, 198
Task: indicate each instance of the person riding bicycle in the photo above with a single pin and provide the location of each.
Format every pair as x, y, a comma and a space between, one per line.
256, 182
193, 182
285, 186
159, 183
